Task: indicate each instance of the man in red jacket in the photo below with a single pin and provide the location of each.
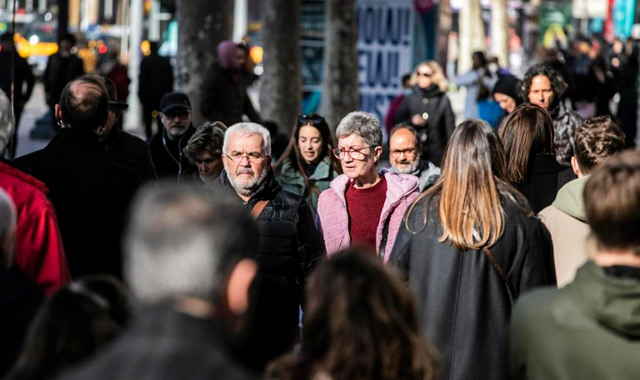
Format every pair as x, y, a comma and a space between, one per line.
38, 253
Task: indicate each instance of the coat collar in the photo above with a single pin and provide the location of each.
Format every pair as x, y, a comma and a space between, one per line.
398, 186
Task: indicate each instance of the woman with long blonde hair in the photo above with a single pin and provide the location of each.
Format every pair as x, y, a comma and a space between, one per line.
428, 110
469, 246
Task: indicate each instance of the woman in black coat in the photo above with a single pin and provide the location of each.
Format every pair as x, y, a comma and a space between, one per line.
532, 167
469, 246
428, 110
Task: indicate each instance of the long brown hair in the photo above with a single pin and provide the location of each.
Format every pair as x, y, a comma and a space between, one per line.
472, 181
293, 152
528, 131
360, 323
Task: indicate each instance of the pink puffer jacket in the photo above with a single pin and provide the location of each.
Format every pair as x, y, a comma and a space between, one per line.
333, 220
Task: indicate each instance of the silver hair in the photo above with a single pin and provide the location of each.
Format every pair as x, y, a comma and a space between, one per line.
247, 129
362, 124
7, 223
184, 241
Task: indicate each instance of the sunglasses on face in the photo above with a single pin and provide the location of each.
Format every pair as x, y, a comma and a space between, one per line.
426, 75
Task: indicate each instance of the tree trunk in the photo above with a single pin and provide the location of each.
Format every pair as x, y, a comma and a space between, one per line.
471, 33
444, 27
499, 32
340, 85
281, 88
202, 25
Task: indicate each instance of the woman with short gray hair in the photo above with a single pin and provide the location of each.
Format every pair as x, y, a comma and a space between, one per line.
363, 206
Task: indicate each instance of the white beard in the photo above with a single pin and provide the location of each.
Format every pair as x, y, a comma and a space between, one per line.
247, 187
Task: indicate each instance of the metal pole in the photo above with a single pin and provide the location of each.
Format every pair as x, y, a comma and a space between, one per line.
154, 23
239, 19
132, 117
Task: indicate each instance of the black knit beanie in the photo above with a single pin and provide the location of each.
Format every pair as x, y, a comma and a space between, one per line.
508, 85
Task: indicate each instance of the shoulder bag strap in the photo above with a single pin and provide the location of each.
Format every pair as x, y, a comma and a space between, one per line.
383, 243
507, 281
257, 208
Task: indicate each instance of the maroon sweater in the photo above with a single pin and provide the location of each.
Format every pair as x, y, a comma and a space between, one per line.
364, 207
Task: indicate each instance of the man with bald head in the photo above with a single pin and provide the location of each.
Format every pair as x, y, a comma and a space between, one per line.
88, 188
405, 151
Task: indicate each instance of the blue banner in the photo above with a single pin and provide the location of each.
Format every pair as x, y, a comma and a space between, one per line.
623, 14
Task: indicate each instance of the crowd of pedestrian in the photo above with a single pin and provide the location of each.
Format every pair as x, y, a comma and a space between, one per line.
478, 252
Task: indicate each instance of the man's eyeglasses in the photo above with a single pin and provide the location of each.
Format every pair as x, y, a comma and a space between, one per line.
253, 157
406, 152
354, 153
427, 75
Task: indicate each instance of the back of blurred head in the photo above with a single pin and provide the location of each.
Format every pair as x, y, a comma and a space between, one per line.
7, 43
190, 243
612, 203
597, 139
73, 325
350, 336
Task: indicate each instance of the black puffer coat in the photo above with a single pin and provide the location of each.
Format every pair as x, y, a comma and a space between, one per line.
434, 105
463, 302
288, 250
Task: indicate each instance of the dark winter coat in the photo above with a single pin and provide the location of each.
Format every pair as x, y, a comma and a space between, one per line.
20, 300
156, 78
60, 71
463, 302
588, 330
91, 193
440, 120
163, 344
224, 97
132, 152
168, 156
289, 248
22, 75
544, 178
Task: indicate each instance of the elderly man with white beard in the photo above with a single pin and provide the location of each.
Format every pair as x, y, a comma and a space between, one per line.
289, 243
405, 151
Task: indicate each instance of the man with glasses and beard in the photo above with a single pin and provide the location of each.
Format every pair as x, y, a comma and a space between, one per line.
289, 243
405, 151
167, 145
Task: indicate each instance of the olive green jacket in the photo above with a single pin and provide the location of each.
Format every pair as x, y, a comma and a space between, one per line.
292, 181
588, 330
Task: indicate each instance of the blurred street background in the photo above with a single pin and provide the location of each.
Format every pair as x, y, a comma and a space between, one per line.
392, 36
